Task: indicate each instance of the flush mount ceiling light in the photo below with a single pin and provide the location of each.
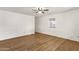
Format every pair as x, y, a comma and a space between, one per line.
40, 10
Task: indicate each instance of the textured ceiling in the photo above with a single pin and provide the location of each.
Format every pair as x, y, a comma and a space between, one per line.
28, 10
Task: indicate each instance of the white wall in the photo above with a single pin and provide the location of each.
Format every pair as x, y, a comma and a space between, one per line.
15, 24
67, 25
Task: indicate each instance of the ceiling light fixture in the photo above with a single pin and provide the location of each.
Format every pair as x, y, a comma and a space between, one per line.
40, 10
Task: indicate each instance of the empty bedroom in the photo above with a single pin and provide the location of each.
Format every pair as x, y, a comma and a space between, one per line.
39, 29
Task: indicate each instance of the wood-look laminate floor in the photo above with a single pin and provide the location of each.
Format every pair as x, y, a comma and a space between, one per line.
38, 42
